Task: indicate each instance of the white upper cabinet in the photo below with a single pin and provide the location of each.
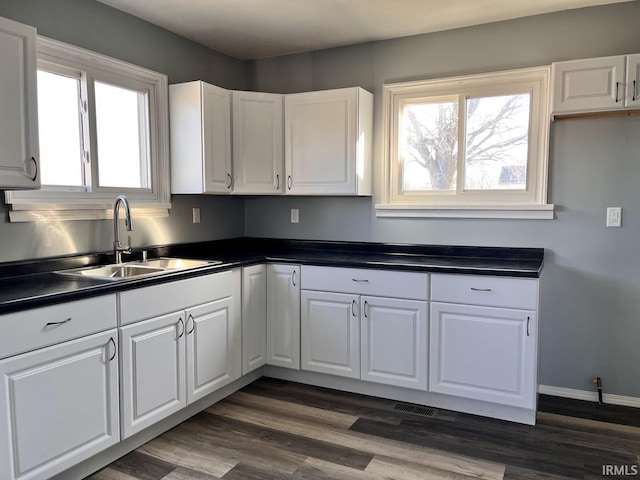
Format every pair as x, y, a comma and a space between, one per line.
19, 155
632, 97
322, 146
200, 138
258, 157
596, 84
328, 142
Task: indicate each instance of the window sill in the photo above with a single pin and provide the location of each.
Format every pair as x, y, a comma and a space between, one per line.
83, 214
523, 212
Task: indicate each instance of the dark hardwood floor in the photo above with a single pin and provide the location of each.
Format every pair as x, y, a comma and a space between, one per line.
282, 430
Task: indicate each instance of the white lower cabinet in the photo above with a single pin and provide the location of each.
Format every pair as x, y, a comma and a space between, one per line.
254, 317
213, 346
394, 341
351, 331
177, 357
330, 333
486, 353
153, 371
283, 316
382, 340
58, 406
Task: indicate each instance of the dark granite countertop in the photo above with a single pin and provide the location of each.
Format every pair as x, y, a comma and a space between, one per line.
34, 283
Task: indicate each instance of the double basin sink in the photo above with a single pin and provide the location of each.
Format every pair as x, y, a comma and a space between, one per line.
137, 269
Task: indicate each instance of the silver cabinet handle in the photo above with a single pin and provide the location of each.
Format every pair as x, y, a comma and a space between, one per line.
617, 89
364, 310
360, 280
230, 182
289, 182
353, 305
61, 322
182, 323
528, 320
293, 279
480, 289
277, 182
634, 96
115, 351
193, 324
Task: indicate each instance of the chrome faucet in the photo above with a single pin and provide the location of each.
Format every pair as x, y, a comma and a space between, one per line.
118, 249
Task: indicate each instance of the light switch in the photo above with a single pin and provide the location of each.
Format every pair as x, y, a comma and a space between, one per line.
295, 215
196, 215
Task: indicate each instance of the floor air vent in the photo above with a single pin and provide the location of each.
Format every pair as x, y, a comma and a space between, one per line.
415, 409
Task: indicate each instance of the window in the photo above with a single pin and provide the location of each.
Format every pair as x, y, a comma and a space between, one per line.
103, 128
473, 146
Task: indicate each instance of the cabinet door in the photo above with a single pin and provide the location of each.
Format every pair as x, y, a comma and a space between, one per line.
283, 316
213, 346
153, 371
254, 317
330, 333
632, 98
19, 113
394, 341
216, 114
320, 131
483, 353
589, 85
58, 406
258, 161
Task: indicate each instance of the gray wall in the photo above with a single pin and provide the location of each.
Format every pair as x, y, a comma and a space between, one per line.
590, 287
92, 25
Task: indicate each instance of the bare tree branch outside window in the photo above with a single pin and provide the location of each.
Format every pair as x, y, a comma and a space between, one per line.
495, 144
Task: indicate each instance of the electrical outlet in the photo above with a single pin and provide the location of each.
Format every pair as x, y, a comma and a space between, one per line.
196, 215
295, 215
614, 217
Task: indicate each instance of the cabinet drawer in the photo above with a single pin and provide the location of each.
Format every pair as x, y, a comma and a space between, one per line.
148, 302
521, 293
40, 327
362, 281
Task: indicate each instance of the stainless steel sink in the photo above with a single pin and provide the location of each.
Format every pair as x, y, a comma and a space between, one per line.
154, 266
113, 272
177, 263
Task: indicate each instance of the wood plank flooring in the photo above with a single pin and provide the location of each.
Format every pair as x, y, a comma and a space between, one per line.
273, 429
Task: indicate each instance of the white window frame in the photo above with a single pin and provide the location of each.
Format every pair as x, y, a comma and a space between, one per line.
62, 203
530, 203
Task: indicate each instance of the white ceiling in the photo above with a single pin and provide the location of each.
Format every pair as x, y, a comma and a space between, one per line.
250, 29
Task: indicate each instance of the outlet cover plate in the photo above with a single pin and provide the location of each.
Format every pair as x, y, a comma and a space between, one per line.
614, 217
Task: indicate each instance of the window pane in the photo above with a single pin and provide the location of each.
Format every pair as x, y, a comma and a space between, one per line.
59, 130
429, 146
122, 135
497, 142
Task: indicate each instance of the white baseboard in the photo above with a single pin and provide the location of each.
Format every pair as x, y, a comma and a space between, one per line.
420, 397
590, 396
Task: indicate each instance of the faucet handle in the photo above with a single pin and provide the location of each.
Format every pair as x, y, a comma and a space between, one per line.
128, 249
